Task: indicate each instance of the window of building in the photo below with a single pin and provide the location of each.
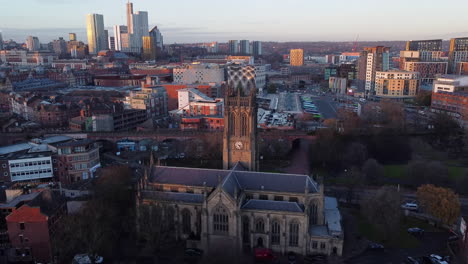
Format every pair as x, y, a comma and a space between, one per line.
263, 197
260, 226
293, 199
186, 222
294, 234
22, 226
5, 174
3, 165
278, 198
21, 239
221, 220
275, 233
322, 245
314, 244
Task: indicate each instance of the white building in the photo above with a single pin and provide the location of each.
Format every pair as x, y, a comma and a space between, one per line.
118, 31
244, 47
199, 73
450, 83
338, 85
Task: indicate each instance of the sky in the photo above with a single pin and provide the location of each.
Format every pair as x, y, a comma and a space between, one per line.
190, 21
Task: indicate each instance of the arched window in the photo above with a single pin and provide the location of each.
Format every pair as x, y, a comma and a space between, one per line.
186, 222
170, 218
313, 214
260, 226
246, 230
232, 124
244, 125
221, 220
294, 234
275, 233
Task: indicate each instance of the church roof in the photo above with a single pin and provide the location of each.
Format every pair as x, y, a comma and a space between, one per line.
231, 180
268, 205
174, 197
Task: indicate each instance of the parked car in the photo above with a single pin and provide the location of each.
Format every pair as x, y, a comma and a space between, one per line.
291, 258
193, 255
438, 259
316, 259
416, 231
412, 260
265, 255
410, 206
375, 246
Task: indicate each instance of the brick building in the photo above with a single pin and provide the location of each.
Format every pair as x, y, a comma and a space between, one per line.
114, 80
77, 160
31, 227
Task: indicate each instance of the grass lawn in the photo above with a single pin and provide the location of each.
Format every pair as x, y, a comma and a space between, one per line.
455, 173
399, 172
402, 240
395, 171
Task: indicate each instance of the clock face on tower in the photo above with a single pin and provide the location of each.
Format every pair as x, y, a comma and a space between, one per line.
239, 145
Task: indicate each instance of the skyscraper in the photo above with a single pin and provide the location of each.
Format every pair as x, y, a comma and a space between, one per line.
106, 37
72, 36
245, 47
257, 48
233, 47
149, 48
140, 30
296, 57
96, 34
458, 52
130, 17
118, 31
33, 44
372, 60
158, 38
111, 43
1, 41
137, 26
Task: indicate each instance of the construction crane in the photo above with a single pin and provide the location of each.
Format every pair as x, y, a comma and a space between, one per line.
355, 43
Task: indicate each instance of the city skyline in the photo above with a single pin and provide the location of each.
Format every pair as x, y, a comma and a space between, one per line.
210, 22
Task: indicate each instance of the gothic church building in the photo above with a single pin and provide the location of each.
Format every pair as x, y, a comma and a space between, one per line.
238, 207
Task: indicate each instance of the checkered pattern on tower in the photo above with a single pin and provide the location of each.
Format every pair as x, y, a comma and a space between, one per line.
241, 75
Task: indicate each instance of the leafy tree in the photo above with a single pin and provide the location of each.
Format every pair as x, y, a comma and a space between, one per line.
354, 155
373, 171
383, 211
440, 202
272, 88
353, 180
105, 226
424, 98
423, 172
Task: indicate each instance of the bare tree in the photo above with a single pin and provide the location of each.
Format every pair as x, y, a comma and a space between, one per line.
383, 211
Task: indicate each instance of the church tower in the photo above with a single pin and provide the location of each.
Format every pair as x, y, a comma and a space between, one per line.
240, 119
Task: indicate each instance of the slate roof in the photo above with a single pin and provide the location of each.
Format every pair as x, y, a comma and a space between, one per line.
174, 197
188, 176
318, 231
268, 205
332, 215
230, 180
